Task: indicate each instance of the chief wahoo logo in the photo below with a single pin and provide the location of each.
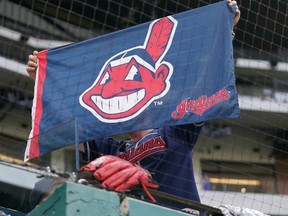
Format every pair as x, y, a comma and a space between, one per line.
132, 79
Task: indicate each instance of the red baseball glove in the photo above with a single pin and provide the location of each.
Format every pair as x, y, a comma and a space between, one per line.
120, 175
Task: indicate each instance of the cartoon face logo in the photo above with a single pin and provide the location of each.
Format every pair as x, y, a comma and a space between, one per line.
132, 79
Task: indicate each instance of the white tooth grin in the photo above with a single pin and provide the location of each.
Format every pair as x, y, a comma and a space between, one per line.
118, 104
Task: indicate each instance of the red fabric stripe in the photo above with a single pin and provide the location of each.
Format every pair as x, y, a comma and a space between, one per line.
42, 63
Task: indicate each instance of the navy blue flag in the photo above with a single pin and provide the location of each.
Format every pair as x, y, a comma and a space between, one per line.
175, 70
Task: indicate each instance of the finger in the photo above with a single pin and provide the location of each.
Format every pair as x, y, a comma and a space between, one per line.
237, 17
32, 64
107, 170
128, 184
151, 184
30, 69
237, 11
122, 180
103, 160
232, 3
148, 193
123, 176
131, 179
146, 179
32, 58
31, 72
35, 52
89, 167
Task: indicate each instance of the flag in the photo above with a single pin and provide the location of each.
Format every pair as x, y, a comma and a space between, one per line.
175, 70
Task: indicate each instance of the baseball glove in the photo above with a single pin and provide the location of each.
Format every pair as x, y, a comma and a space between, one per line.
117, 174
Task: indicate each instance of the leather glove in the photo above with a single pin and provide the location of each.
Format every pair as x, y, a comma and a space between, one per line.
117, 174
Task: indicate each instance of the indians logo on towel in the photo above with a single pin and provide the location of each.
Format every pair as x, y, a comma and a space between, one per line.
132, 79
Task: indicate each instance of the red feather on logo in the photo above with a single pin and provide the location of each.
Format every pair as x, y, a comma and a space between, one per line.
159, 38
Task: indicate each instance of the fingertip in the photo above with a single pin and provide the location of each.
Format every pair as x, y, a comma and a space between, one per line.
98, 176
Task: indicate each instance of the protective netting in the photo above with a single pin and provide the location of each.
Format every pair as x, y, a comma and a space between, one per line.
241, 162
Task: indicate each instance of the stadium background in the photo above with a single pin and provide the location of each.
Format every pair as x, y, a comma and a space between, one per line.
245, 159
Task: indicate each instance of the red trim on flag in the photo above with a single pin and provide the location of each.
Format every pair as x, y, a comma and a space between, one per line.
42, 63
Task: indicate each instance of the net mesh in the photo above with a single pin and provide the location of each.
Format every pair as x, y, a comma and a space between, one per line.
240, 162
